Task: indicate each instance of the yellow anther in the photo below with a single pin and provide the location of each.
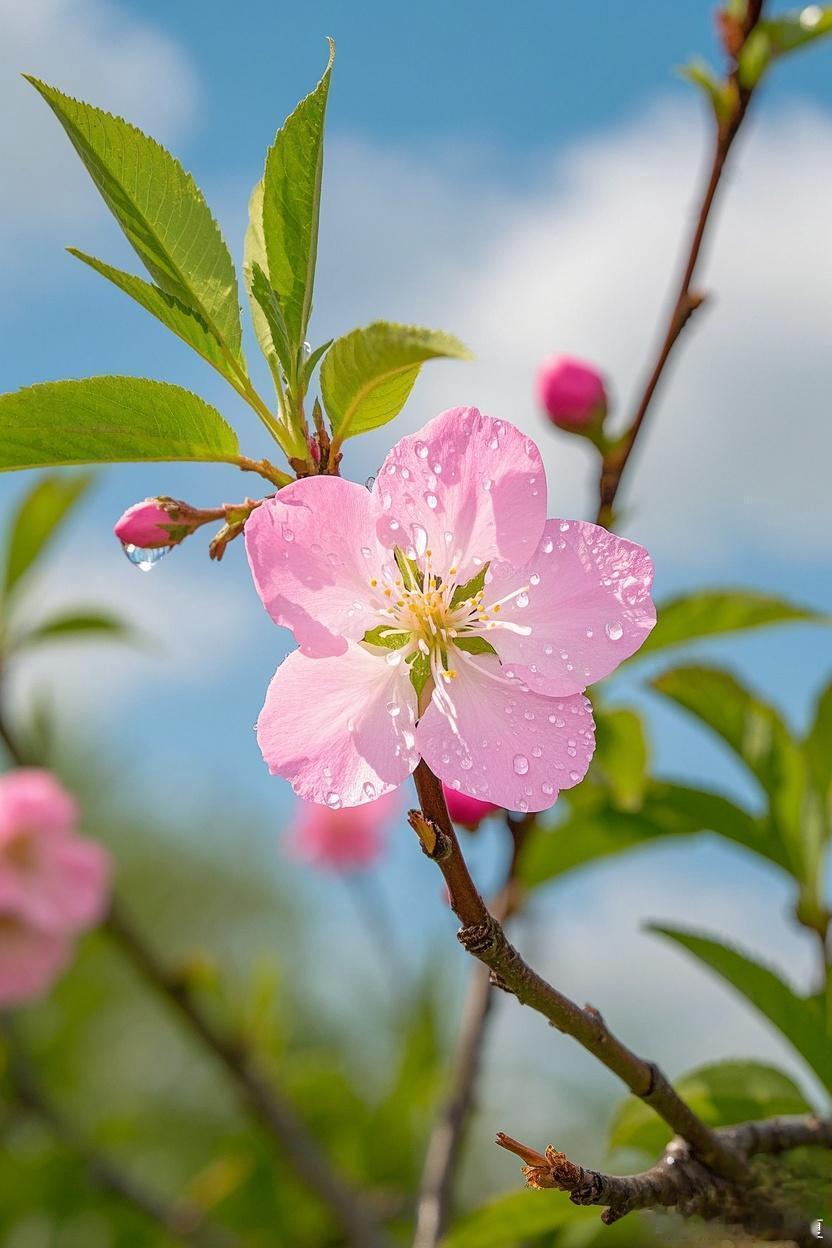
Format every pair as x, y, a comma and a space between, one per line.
496, 607
373, 582
388, 593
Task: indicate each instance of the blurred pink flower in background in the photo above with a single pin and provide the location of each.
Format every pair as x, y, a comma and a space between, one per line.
143, 525
469, 811
54, 884
571, 391
342, 840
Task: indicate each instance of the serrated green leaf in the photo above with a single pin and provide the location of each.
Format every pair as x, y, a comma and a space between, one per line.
716, 612
109, 420
70, 625
794, 1017
621, 755
721, 1095
667, 810
269, 304
420, 673
161, 211
474, 645
39, 515
181, 319
463, 593
756, 733
390, 638
367, 375
291, 208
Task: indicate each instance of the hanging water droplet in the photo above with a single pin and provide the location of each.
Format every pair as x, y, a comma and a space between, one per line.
333, 801
370, 482
307, 349
420, 538
144, 557
523, 806
393, 709
520, 764
369, 790
614, 630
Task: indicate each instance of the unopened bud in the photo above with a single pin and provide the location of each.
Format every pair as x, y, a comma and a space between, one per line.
465, 810
571, 392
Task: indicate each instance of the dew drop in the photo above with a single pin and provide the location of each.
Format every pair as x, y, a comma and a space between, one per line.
421, 450
406, 473
523, 806
487, 484
574, 776
366, 552
386, 501
547, 788
437, 468
369, 790
307, 349
564, 526
614, 630
547, 649
534, 579
494, 444
394, 658
520, 764
449, 537
144, 557
528, 715
333, 801
466, 763
288, 535
432, 501
537, 751
589, 632
393, 709
391, 470
420, 538
548, 546
370, 482
522, 600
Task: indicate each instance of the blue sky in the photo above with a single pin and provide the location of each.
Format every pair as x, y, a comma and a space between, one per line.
518, 175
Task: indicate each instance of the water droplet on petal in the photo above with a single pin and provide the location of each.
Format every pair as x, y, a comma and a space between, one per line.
432, 501
369, 790
534, 579
487, 484
523, 806
394, 658
522, 600
547, 788
520, 764
420, 538
537, 752
589, 632
614, 630
288, 535
574, 776
564, 526
333, 801
393, 709
548, 546
421, 450
144, 557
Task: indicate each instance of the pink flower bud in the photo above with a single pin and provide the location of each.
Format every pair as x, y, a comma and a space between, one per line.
571, 392
346, 839
143, 524
465, 810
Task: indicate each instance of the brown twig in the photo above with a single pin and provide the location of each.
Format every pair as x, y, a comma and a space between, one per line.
680, 1181
687, 298
483, 937
447, 1137
180, 1219
275, 1114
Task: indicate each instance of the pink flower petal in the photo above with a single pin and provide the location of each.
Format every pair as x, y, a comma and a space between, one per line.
32, 799
467, 488
510, 747
70, 890
469, 811
313, 553
341, 728
30, 960
342, 840
586, 598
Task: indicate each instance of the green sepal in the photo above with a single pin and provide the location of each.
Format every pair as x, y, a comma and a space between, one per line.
474, 645
420, 672
409, 568
463, 592
395, 639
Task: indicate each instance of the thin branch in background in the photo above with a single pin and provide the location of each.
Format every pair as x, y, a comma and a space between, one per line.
447, 1137
275, 1114
180, 1219
483, 937
687, 298
679, 1181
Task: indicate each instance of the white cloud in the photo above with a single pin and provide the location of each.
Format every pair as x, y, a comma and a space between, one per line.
94, 50
578, 257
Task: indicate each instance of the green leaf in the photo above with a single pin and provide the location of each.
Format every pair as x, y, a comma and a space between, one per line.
791, 31
721, 1095
463, 593
474, 645
797, 1019
267, 301
604, 830
291, 208
420, 672
717, 612
621, 755
109, 420
819, 753
182, 320
755, 57
718, 92
39, 515
757, 735
70, 625
367, 375
161, 211
512, 1220
384, 635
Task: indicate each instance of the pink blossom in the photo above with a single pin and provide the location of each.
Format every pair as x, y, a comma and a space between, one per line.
53, 883
144, 525
469, 811
441, 616
343, 840
571, 391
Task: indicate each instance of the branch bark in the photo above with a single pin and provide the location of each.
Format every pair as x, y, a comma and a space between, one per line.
180, 1219
680, 1181
687, 298
484, 937
447, 1137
